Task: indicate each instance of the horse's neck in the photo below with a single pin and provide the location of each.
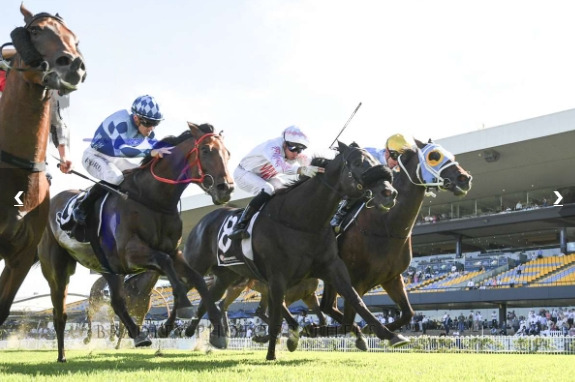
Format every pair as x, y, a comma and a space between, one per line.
310, 206
399, 221
24, 119
157, 195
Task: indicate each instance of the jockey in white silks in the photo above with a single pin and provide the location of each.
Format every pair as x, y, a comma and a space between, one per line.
267, 168
122, 135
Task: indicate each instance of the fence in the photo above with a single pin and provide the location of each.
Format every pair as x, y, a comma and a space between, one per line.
422, 344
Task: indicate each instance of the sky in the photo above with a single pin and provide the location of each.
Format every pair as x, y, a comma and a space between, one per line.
252, 68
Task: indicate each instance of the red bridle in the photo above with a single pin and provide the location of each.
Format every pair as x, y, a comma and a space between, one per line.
197, 163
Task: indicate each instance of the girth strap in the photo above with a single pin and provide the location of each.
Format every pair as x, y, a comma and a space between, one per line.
22, 163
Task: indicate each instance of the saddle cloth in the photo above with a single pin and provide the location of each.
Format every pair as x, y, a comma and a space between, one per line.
65, 218
229, 249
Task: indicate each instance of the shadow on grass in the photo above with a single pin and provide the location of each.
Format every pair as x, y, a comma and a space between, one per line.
131, 362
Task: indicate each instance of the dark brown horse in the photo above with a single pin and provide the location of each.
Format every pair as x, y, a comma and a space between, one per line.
141, 233
47, 60
138, 290
376, 248
292, 239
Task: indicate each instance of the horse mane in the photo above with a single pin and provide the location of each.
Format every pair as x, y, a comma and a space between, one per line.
316, 161
172, 140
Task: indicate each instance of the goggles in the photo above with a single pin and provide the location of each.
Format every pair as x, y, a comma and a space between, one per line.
148, 122
393, 154
294, 148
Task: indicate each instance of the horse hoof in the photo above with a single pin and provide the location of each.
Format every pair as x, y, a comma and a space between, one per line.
398, 340
163, 332
142, 340
220, 342
86, 341
261, 339
62, 360
185, 313
361, 343
293, 340
190, 331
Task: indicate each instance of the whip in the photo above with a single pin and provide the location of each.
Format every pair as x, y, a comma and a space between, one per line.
344, 126
123, 195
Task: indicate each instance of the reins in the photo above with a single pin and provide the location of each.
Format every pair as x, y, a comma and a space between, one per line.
196, 163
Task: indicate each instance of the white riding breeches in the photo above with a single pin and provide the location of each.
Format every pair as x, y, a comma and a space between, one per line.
248, 181
104, 167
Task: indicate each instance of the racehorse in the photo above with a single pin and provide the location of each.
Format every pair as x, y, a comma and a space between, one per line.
47, 59
292, 240
138, 290
142, 232
376, 248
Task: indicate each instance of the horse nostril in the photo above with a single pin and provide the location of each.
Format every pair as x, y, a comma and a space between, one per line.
464, 179
63, 61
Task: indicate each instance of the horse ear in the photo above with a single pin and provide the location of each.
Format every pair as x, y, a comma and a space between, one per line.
341, 146
194, 129
26, 13
429, 140
419, 143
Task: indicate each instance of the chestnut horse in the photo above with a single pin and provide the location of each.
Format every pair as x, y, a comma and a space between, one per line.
376, 248
47, 60
292, 239
142, 232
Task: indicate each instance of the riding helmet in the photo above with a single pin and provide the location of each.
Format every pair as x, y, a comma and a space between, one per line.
293, 136
146, 106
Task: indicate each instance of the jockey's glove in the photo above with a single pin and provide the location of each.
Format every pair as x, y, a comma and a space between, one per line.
161, 151
310, 171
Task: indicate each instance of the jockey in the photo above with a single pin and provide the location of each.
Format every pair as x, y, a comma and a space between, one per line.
394, 147
264, 170
122, 135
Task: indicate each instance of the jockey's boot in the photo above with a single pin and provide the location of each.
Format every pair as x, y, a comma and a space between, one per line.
240, 230
344, 207
80, 212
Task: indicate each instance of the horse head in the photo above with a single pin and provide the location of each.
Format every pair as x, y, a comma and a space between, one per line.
212, 158
198, 156
435, 167
365, 177
48, 51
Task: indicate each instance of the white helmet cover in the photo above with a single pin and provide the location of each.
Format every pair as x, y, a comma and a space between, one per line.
293, 135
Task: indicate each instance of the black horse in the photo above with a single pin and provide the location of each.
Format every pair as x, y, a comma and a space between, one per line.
377, 247
142, 232
292, 239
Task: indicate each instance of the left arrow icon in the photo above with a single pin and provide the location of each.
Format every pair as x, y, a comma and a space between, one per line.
18, 200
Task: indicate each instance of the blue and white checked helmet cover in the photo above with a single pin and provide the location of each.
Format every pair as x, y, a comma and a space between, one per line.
147, 107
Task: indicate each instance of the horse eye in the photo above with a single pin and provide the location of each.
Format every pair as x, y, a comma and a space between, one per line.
205, 149
434, 158
34, 29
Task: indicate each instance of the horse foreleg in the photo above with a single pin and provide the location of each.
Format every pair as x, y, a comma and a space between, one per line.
396, 291
337, 274
275, 302
118, 302
89, 315
12, 278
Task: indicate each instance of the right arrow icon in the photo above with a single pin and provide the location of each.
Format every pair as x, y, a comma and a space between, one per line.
559, 198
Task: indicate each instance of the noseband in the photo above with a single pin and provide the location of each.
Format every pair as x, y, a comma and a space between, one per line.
196, 163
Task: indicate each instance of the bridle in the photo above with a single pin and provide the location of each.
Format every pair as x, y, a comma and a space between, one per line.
196, 163
428, 175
